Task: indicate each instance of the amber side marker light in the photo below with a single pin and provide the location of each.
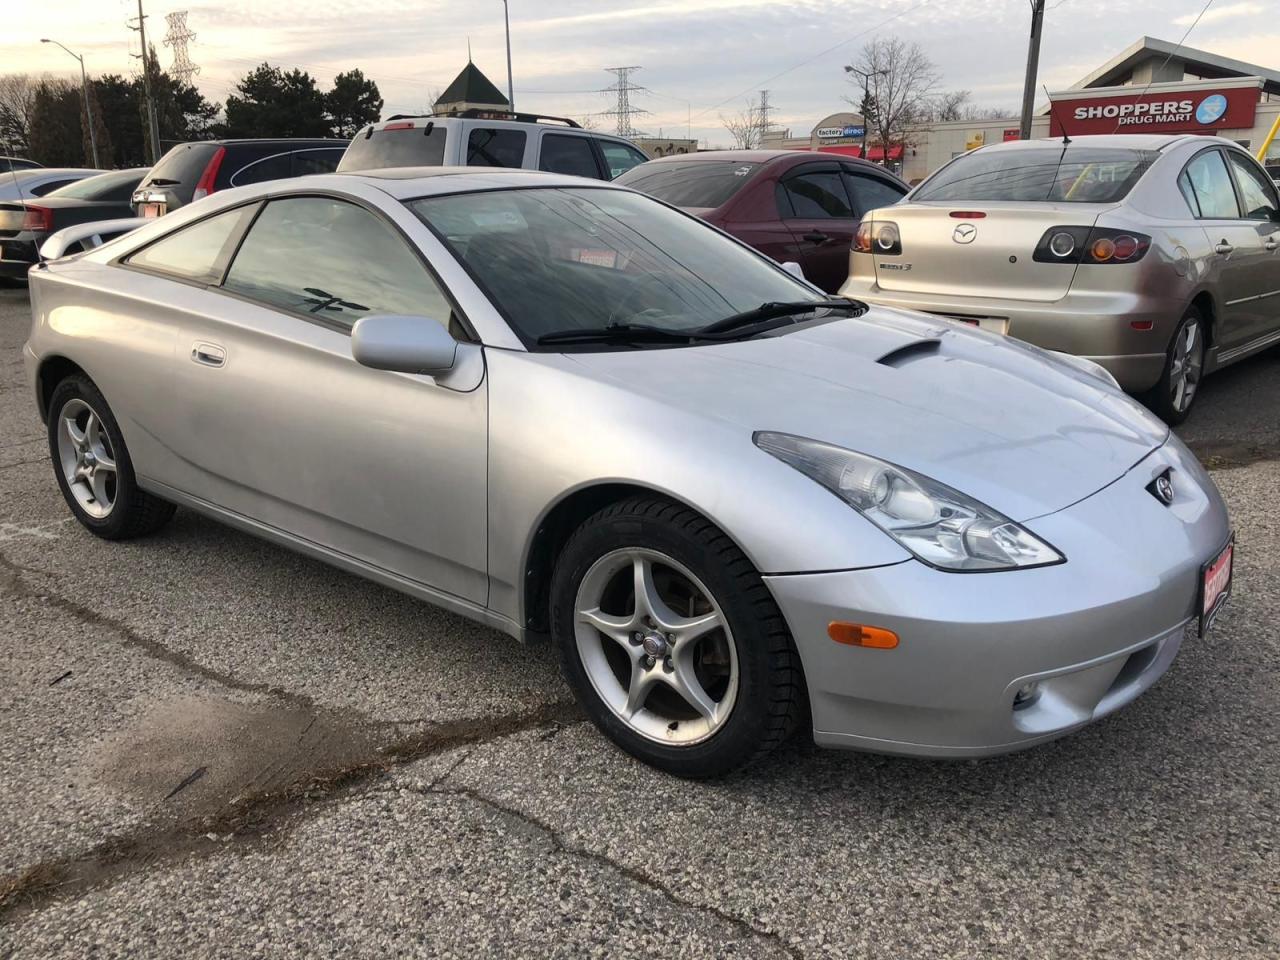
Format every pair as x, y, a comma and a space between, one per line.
858, 635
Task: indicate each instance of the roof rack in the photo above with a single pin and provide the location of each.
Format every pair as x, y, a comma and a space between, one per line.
476, 113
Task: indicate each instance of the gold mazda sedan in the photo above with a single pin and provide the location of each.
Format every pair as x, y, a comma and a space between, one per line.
1157, 257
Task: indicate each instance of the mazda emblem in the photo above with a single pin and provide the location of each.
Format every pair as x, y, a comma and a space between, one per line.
964, 233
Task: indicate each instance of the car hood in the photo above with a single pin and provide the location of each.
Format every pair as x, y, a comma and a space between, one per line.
1016, 427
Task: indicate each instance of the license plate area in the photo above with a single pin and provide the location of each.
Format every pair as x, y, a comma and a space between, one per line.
1215, 585
152, 210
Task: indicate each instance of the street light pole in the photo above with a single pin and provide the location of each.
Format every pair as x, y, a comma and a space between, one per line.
1033, 65
866, 76
511, 95
88, 110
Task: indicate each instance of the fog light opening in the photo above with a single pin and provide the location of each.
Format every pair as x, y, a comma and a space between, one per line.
1026, 695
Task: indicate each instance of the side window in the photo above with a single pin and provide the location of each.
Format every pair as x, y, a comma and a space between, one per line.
275, 167
1257, 193
199, 252
818, 194
619, 157
869, 192
785, 210
298, 256
317, 160
1211, 184
562, 153
495, 148
1188, 192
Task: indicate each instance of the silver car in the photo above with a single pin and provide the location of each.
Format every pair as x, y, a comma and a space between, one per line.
1155, 256
569, 411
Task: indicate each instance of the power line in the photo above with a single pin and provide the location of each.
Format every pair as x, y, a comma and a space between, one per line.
624, 110
1176, 48
178, 37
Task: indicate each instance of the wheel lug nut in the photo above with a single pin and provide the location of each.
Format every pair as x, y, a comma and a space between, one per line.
667, 665
649, 661
635, 639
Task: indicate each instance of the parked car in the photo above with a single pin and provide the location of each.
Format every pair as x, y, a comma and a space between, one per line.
39, 182
1155, 256
26, 224
18, 163
479, 139
796, 206
191, 171
561, 407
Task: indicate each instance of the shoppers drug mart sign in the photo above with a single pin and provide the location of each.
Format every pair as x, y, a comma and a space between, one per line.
1180, 112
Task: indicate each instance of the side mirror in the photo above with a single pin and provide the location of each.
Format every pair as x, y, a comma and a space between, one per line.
404, 344
794, 269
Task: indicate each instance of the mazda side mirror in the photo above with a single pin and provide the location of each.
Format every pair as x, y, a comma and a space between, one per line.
405, 344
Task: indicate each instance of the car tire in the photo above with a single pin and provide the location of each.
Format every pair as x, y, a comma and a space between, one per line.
746, 669
1175, 392
92, 465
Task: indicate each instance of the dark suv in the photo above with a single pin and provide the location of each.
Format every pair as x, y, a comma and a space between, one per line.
191, 171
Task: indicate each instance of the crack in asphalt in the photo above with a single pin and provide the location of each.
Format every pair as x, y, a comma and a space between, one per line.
253, 818
747, 929
11, 582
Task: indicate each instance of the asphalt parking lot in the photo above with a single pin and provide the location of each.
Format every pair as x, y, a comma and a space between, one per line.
210, 746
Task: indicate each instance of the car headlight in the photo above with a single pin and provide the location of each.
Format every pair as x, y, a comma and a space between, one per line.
941, 526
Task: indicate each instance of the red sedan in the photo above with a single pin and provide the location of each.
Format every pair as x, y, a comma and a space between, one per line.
792, 205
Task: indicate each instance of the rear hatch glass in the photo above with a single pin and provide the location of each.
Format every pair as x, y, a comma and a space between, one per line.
694, 183
403, 146
183, 164
1049, 174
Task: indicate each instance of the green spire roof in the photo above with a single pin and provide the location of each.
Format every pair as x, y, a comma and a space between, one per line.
472, 86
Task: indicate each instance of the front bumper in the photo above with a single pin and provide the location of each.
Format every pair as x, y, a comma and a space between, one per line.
1096, 631
1097, 325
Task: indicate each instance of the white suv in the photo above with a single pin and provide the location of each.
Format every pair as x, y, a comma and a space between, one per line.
480, 139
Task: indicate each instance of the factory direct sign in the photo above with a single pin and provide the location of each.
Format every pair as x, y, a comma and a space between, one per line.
1194, 112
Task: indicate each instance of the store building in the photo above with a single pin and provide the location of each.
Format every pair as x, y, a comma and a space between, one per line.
1154, 86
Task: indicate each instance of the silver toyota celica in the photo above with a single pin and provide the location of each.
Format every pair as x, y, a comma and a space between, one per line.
566, 410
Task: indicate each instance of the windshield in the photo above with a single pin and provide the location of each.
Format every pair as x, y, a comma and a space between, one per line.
1041, 173
690, 183
557, 259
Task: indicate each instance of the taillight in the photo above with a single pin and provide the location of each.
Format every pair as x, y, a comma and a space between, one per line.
881, 238
404, 125
204, 186
968, 215
39, 219
1094, 245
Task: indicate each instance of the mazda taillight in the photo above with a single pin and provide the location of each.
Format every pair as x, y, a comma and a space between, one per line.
1095, 245
204, 186
881, 238
38, 219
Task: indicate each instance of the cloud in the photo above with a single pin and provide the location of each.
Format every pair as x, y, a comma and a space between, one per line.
1216, 14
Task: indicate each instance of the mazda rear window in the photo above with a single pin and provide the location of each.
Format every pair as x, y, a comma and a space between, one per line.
691, 183
417, 146
1048, 173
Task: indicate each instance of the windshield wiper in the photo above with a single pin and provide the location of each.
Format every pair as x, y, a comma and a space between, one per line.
623, 333
774, 310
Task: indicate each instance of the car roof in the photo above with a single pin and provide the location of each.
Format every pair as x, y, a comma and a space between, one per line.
500, 122
1129, 141
405, 183
736, 156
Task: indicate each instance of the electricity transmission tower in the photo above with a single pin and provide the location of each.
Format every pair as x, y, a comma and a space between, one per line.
624, 111
762, 116
178, 37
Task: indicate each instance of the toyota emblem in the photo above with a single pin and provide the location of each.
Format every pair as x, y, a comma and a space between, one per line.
964, 233
1164, 489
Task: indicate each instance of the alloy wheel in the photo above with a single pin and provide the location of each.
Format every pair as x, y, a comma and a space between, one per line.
86, 458
656, 646
1187, 366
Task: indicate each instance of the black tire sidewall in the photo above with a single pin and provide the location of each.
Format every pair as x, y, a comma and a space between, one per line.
1160, 399
738, 740
116, 522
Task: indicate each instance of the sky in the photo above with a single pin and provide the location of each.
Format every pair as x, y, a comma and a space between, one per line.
700, 59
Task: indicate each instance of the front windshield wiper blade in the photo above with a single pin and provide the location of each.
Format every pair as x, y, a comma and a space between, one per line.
622, 333
774, 310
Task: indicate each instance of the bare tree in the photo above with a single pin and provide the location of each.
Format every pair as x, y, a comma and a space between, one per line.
900, 83
956, 105
747, 127
589, 121
17, 102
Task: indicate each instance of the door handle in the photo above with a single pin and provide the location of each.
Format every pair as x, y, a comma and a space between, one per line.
209, 354
1270, 245
814, 236
1224, 248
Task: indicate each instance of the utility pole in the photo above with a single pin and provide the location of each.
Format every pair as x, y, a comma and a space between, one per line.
865, 106
511, 93
153, 125
1033, 66
88, 110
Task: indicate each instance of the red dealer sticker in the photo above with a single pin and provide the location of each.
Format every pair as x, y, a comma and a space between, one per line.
1200, 111
1215, 586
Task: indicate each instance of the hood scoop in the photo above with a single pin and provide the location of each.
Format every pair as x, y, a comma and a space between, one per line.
915, 350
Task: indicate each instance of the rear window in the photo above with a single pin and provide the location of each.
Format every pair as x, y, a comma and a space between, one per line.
114, 186
183, 165
1063, 174
418, 146
690, 183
